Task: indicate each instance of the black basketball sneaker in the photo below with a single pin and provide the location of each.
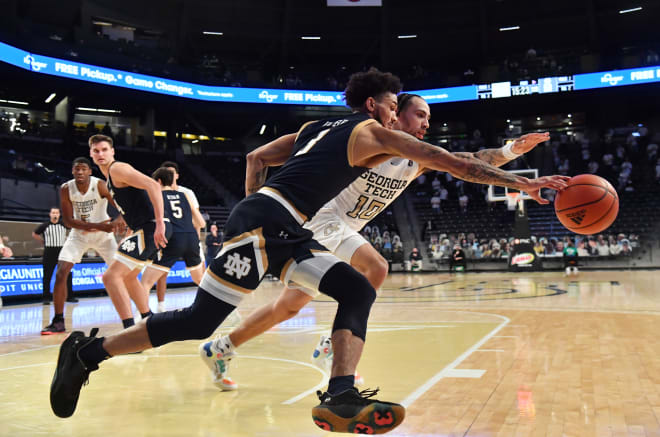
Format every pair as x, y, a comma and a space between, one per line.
356, 413
70, 374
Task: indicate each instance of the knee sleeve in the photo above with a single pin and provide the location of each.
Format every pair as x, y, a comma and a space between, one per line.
353, 293
198, 321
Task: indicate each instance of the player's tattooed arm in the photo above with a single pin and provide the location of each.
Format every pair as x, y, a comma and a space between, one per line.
255, 180
272, 154
466, 167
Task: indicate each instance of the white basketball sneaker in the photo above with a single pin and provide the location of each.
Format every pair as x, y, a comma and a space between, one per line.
217, 360
161, 307
322, 355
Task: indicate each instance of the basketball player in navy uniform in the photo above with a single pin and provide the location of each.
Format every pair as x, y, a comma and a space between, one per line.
336, 226
184, 242
265, 234
140, 202
200, 223
84, 204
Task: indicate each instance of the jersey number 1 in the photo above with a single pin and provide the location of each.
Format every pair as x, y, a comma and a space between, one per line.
312, 142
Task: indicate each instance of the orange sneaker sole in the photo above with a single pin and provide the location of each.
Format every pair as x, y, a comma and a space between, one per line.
376, 418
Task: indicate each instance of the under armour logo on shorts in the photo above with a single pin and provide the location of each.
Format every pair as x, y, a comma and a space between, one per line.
237, 266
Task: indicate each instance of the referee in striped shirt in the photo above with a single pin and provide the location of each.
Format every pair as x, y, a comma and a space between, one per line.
53, 235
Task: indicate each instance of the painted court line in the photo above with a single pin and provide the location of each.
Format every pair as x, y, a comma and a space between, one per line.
412, 397
464, 373
29, 350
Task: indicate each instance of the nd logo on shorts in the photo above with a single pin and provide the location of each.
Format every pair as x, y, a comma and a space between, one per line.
133, 245
240, 264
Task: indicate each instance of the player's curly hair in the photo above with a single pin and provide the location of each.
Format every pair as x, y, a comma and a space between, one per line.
373, 83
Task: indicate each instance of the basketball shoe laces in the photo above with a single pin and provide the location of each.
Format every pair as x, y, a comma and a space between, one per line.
363, 396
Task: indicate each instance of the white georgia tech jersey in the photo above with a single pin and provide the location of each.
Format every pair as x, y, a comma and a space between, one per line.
89, 207
370, 194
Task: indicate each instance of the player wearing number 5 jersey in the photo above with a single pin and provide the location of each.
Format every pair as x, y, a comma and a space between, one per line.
184, 242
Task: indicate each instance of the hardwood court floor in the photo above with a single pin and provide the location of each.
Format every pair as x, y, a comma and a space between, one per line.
476, 354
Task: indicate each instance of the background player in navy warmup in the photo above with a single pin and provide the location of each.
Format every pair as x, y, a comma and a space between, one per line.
184, 242
200, 223
264, 233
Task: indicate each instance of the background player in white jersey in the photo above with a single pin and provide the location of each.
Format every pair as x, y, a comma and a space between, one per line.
337, 224
84, 204
200, 223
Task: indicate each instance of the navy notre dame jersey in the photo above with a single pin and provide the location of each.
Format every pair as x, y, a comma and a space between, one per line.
320, 165
134, 204
177, 209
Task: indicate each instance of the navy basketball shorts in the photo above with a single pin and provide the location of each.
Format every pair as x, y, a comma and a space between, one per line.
136, 250
264, 234
181, 245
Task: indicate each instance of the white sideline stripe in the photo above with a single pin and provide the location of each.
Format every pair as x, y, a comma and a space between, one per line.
29, 350
27, 365
464, 373
412, 397
314, 330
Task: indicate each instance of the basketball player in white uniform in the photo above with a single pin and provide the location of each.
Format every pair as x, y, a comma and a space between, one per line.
161, 285
84, 205
337, 224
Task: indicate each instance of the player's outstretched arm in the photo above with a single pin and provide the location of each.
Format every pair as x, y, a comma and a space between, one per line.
269, 155
375, 141
125, 174
502, 155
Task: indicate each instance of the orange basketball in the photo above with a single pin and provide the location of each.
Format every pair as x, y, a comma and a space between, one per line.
588, 205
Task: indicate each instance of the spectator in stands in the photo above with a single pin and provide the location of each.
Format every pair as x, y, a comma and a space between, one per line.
415, 261
603, 248
570, 259
506, 250
592, 246
615, 248
538, 247
463, 200
206, 216
91, 129
634, 240
107, 130
457, 260
626, 249
582, 249
548, 247
435, 202
213, 243
5, 251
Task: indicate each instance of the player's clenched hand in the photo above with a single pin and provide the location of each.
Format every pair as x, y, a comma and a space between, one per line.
528, 141
159, 235
533, 186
